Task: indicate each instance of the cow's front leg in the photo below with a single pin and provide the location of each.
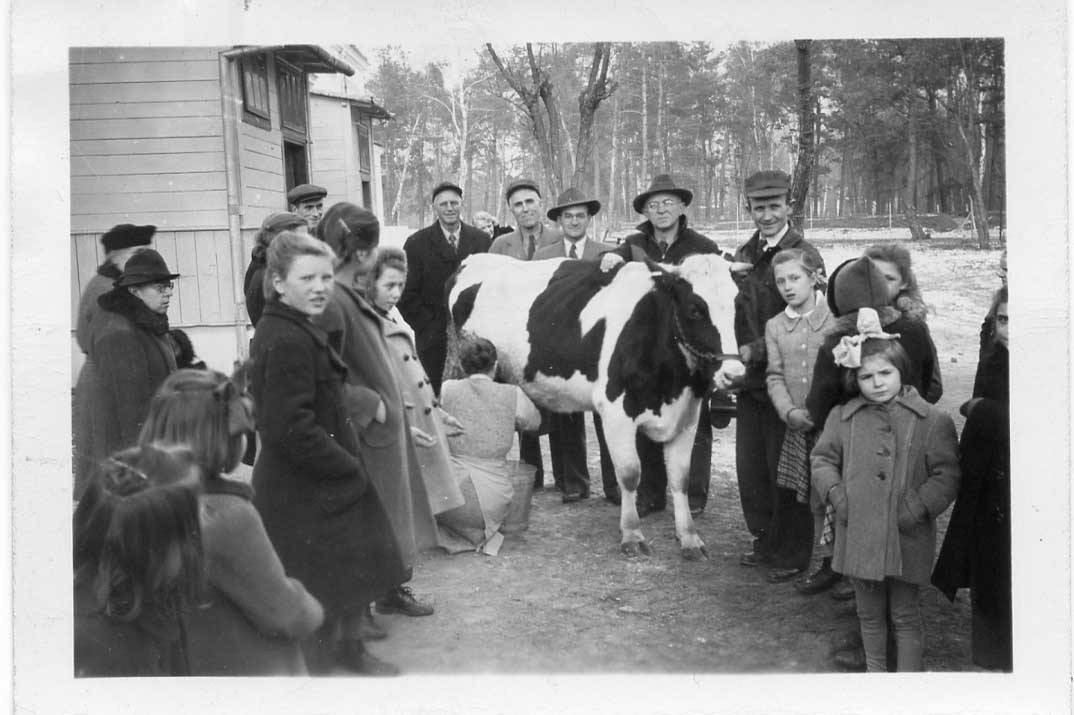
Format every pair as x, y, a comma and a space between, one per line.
620, 434
677, 459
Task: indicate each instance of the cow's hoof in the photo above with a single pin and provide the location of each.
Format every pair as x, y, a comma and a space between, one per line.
633, 549
695, 553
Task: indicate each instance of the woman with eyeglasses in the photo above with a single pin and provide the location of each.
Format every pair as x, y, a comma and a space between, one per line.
131, 353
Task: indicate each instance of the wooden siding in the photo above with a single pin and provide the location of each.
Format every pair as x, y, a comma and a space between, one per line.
147, 140
334, 157
204, 291
263, 183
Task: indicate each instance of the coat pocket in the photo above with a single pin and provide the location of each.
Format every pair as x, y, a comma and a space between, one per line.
911, 512
338, 495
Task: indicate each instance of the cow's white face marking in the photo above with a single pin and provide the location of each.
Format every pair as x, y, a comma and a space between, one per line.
710, 276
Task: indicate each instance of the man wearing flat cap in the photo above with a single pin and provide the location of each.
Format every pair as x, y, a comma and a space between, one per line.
772, 514
665, 238
573, 213
433, 254
524, 199
307, 201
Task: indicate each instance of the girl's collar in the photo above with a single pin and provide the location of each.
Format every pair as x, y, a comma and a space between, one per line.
908, 397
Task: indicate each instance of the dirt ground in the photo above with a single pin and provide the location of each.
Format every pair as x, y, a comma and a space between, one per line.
560, 598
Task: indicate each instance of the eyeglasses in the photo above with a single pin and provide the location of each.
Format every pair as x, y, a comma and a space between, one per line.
666, 203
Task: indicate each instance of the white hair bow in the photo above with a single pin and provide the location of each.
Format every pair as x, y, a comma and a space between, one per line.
848, 352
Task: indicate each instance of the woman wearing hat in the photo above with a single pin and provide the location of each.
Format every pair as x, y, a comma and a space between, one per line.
119, 243
253, 284
131, 354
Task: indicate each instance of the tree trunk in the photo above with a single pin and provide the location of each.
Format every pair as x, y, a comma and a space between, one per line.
804, 168
645, 116
612, 176
412, 136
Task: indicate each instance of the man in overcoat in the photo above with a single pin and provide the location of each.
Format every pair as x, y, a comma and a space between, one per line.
433, 255
665, 238
758, 428
573, 213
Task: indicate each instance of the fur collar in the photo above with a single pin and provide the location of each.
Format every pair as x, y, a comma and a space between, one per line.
847, 324
911, 308
122, 302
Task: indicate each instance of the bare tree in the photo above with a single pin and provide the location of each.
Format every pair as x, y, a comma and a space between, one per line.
806, 143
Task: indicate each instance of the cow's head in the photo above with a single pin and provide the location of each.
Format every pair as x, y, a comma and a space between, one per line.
706, 314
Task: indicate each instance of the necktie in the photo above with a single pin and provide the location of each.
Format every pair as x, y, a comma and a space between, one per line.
663, 248
573, 252
454, 242
531, 246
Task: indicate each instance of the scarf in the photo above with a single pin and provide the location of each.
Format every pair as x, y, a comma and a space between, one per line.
122, 302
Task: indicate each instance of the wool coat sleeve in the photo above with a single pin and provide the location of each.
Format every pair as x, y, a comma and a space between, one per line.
359, 397
826, 388
241, 563
411, 305
124, 368
774, 377
289, 417
826, 459
941, 462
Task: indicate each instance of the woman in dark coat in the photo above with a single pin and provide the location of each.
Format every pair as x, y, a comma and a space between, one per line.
131, 353
253, 283
313, 492
976, 551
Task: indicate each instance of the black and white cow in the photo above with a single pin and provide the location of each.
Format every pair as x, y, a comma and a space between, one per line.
640, 345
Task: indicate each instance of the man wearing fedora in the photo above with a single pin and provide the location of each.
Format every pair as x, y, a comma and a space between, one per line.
524, 199
664, 237
433, 254
573, 213
307, 201
131, 353
758, 429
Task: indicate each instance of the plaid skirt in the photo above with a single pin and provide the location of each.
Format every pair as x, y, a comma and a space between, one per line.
792, 470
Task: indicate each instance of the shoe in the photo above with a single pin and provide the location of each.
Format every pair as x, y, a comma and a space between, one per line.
755, 558
645, 508
354, 657
401, 600
820, 580
779, 575
570, 497
853, 660
842, 590
368, 629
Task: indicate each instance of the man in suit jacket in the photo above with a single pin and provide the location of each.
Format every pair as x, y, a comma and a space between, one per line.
433, 254
524, 199
573, 213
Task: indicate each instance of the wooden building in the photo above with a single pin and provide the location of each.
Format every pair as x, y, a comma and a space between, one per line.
203, 143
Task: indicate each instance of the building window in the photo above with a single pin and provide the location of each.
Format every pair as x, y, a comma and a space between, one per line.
291, 83
364, 161
295, 164
255, 90
367, 195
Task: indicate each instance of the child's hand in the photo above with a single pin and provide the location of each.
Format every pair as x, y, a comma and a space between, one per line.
798, 420
837, 496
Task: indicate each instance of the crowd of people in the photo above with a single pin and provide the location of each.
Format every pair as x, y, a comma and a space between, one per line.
364, 452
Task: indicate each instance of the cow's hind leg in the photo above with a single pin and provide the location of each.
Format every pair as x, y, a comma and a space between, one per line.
677, 459
620, 434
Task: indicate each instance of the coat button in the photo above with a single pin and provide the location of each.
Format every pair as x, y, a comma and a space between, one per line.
405, 358
884, 452
882, 476
428, 410
420, 383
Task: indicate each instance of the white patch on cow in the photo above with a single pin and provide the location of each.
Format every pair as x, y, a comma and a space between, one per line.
710, 276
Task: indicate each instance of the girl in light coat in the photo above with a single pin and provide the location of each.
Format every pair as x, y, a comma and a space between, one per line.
887, 461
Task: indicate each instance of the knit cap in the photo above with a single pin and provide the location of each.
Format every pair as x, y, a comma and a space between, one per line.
856, 284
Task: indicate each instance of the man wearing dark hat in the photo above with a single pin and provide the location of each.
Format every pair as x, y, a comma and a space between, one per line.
433, 254
119, 243
307, 200
771, 513
524, 199
129, 347
573, 213
665, 238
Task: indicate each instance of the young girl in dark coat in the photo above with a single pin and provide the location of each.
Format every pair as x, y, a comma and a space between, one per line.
252, 614
976, 551
886, 461
138, 564
327, 525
